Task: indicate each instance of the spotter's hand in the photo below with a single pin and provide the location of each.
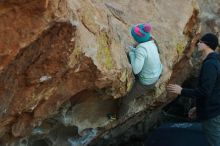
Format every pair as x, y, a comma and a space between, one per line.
174, 88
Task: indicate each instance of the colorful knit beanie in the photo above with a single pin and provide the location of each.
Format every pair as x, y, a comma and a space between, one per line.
141, 32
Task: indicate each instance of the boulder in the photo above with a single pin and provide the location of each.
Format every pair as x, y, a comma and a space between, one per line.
70, 52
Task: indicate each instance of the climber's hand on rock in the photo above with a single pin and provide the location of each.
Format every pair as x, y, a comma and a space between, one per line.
174, 88
192, 113
131, 48
135, 44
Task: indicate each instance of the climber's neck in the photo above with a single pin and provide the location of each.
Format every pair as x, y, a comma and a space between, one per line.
206, 52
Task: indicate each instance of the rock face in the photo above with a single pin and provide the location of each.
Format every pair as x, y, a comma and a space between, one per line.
66, 59
210, 20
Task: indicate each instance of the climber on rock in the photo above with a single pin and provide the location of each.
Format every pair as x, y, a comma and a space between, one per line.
146, 65
207, 93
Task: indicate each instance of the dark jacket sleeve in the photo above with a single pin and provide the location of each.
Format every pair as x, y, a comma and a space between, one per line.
207, 80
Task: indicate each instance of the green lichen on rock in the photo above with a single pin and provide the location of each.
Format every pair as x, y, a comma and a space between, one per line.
104, 53
180, 47
126, 77
129, 85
